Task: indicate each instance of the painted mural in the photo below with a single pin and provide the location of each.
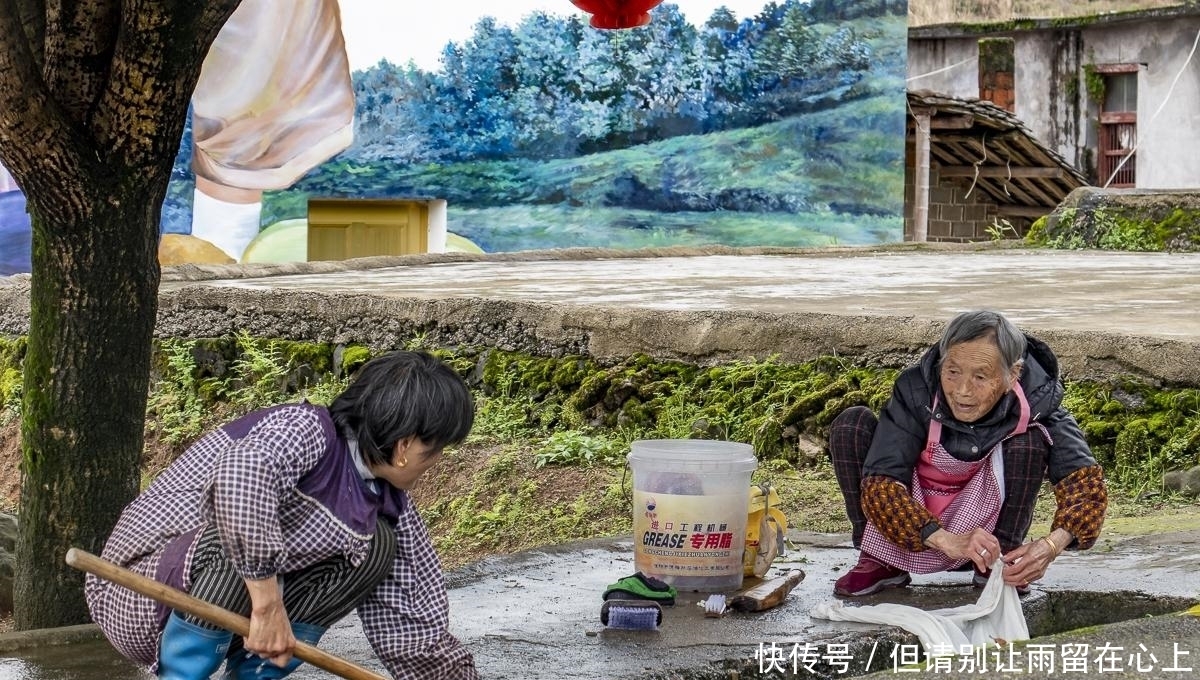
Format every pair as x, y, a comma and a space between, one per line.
739, 123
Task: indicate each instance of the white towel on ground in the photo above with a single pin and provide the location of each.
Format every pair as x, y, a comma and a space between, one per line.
996, 616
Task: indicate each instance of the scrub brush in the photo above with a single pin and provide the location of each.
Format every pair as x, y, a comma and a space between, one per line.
631, 614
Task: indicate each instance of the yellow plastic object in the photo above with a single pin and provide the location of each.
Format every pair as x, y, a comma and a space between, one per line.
765, 529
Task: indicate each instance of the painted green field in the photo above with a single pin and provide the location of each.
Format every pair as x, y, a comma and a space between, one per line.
831, 175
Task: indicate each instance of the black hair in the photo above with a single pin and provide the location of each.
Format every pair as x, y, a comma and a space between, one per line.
399, 394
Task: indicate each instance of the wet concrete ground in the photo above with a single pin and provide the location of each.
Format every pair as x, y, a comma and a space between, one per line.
536, 615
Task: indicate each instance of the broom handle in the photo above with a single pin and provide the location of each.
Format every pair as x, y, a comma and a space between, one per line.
179, 600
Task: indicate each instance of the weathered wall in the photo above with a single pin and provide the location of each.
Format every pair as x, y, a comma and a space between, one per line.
927, 57
1168, 155
1059, 113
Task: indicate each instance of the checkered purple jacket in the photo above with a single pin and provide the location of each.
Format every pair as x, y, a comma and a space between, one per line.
249, 478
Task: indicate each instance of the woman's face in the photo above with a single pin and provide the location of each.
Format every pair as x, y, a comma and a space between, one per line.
410, 459
973, 378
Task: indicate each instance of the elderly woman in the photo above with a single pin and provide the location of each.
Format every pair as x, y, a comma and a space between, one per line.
947, 476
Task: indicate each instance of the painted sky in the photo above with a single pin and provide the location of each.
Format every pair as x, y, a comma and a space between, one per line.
399, 31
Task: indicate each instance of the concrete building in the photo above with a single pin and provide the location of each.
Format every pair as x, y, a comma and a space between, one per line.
1116, 94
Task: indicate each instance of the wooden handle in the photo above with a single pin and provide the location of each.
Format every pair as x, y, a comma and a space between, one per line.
767, 594
181, 601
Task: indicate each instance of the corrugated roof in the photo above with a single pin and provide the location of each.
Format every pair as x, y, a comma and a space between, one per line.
991, 150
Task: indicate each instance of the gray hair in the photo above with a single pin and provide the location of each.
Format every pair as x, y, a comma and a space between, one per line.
969, 326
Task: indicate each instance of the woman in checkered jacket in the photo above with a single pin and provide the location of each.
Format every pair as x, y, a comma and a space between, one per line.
948, 474
295, 516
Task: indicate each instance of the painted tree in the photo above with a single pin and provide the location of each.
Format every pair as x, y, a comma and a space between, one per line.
93, 96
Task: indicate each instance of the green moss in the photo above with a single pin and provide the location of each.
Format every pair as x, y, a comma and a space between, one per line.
354, 356
1036, 236
1137, 224
1094, 83
996, 55
1074, 22
1071, 87
1135, 428
12, 360
1011, 26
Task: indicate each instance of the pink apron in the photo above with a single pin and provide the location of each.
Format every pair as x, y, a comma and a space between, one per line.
963, 496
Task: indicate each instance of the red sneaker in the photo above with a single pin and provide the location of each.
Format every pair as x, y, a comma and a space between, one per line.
868, 577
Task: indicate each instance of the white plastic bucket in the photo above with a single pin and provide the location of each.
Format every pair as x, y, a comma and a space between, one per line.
690, 499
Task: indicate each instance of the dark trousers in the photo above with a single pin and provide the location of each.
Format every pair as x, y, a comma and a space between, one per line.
1024, 469
319, 595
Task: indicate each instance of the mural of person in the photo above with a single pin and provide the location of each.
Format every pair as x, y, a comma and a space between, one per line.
274, 100
15, 236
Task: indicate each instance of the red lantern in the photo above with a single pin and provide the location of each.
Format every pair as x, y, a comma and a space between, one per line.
618, 13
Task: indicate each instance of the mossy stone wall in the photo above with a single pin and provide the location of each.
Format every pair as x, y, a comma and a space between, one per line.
1133, 426
1122, 219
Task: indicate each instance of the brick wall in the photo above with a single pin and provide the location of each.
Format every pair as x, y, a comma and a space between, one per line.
953, 216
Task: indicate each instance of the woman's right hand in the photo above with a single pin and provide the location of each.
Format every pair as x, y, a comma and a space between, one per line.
979, 547
270, 631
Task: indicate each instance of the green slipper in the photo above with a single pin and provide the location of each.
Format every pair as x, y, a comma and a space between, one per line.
642, 587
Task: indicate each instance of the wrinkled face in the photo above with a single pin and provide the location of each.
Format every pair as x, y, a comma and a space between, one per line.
973, 378
410, 459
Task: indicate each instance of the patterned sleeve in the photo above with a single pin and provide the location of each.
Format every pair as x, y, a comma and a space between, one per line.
406, 618
1082, 500
248, 481
890, 507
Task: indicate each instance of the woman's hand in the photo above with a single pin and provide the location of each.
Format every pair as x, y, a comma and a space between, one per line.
979, 546
1029, 562
270, 631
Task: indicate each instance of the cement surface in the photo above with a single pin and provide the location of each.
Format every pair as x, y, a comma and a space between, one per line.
536, 615
1151, 294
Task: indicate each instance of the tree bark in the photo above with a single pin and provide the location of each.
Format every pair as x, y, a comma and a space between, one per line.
93, 302
93, 96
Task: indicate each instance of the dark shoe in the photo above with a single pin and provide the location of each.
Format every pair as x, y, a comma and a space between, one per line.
980, 579
868, 577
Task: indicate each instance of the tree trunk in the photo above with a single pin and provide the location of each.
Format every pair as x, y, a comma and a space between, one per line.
93, 304
93, 94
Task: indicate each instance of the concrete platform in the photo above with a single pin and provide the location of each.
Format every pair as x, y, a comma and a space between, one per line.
1152, 294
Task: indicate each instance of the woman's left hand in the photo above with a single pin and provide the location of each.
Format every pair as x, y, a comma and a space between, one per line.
1028, 563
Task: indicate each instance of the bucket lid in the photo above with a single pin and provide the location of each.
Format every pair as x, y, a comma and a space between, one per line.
693, 454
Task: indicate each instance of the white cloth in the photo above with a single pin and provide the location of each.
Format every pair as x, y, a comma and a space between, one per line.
275, 98
996, 616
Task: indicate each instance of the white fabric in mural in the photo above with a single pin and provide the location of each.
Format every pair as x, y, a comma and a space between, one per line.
996, 616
